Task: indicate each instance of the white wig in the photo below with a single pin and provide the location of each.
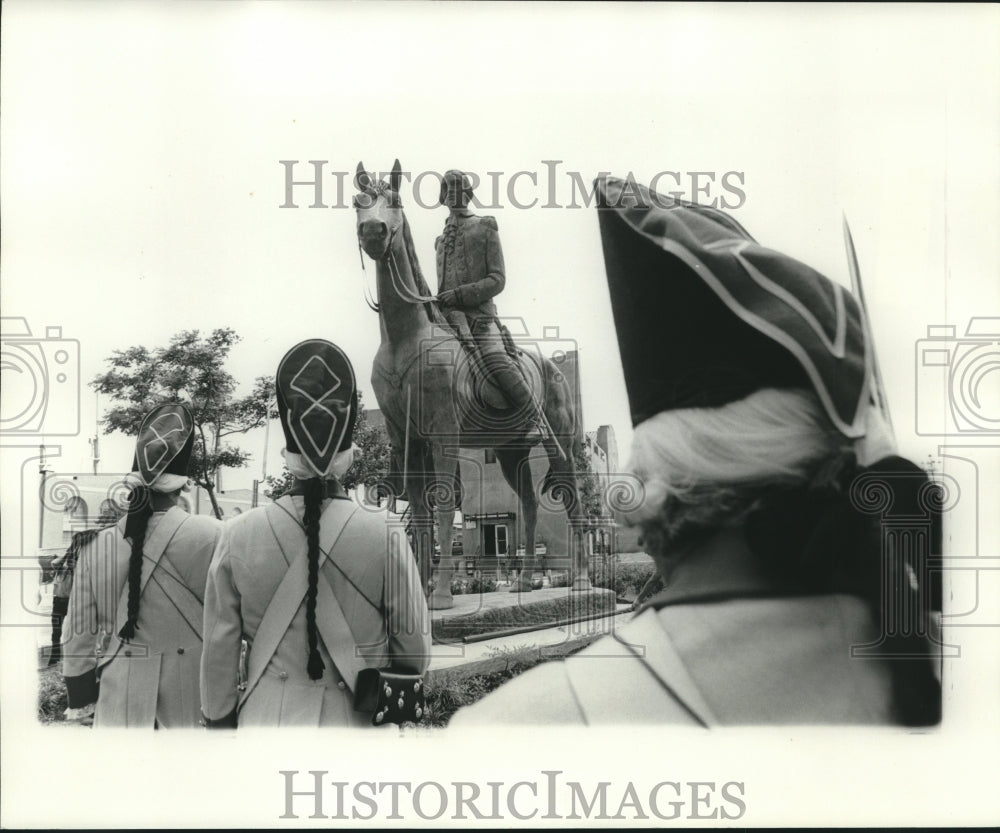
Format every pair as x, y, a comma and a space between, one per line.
703, 457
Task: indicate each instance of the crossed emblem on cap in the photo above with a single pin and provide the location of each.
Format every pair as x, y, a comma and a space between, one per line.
320, 405
159, 443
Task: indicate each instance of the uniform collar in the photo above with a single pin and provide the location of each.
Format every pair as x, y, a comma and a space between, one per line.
721, 566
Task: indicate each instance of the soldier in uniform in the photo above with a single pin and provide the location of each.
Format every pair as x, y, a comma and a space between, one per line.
470, 271
749, 383
135, 613
309, 582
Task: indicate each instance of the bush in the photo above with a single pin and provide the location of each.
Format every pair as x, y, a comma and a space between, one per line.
52, 698
625, 579
559, 579
477, 584
448, 696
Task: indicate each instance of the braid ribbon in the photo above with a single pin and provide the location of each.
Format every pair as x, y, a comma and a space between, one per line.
315, 492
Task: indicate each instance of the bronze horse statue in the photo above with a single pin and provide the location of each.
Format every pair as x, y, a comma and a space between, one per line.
436, 401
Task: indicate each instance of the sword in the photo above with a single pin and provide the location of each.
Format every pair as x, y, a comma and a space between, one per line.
878, 386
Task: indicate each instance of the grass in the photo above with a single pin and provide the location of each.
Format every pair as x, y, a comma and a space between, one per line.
52, 700
448, 696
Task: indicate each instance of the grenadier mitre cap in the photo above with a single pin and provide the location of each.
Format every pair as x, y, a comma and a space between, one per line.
317, 402
164, 444
705, 315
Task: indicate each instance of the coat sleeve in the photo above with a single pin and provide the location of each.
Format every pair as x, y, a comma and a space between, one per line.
80, 631
478, 292
223, 633
408, 621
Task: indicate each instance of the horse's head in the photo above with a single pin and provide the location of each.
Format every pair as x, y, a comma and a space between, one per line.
380, 212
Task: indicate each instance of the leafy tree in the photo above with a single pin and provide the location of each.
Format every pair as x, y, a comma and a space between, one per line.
588, 483
371, 462
190, 370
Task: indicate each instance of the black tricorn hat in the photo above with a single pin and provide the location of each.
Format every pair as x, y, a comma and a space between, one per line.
317, 402
705, 315
164, 443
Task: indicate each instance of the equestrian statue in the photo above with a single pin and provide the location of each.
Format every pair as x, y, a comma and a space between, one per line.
448, 376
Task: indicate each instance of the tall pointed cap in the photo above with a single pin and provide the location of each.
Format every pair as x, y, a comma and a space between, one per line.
317, 402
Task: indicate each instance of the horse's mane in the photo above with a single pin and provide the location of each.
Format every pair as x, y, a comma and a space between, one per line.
418, 275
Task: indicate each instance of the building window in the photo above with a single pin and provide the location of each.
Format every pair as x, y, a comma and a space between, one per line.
495, 540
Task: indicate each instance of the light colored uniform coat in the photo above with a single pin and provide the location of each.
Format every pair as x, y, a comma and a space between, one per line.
376, 586
721, 652
153, 680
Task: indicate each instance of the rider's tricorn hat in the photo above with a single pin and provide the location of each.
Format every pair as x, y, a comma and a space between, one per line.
317, 402
459, 178
705, 315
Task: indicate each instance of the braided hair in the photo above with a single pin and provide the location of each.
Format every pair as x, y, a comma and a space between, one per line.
315, 491
140, 510
815, 539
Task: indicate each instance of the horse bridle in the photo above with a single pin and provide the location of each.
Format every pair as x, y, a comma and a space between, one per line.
389, 259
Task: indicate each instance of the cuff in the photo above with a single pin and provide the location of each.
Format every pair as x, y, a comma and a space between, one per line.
81, 690
227, 722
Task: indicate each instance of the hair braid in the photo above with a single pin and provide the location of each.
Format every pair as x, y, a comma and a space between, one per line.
139, 504
314, 494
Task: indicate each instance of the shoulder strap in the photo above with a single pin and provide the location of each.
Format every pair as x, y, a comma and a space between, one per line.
286, 600
651, 644
187, 604
152, 551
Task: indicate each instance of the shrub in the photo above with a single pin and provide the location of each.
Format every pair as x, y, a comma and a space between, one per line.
625, 579
451, 694
52, 698
476, 584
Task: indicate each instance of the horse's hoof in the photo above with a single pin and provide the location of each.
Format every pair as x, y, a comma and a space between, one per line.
440, 602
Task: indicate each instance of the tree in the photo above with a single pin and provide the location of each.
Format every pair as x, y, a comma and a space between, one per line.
189, 370
371, 462
588, 483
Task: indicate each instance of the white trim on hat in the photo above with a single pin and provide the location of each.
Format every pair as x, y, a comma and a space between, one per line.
301, 467
165, 484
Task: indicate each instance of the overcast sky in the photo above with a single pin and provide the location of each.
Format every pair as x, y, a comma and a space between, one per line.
141, 177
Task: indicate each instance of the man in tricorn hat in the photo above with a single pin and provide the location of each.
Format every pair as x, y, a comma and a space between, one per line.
470, 271
135, 613
749, 378
311, 580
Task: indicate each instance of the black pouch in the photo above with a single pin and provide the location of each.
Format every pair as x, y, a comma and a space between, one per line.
389, 697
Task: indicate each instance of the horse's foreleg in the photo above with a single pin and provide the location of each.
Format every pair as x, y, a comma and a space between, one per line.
422, 525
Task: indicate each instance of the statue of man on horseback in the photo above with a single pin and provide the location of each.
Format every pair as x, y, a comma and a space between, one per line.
470, 271
433, 405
